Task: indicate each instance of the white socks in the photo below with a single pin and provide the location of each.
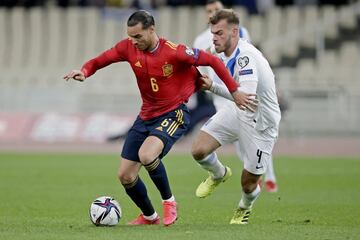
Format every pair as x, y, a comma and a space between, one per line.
172, 199
152, 217
213, 165
155, 215
247, 199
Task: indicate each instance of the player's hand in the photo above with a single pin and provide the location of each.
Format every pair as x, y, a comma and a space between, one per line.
207, 82
245, 101
76, 75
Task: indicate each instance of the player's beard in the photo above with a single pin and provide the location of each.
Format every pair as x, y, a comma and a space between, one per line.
227, 44
222, 48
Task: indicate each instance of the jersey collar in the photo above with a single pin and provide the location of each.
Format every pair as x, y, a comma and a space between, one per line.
231, 61
156, 47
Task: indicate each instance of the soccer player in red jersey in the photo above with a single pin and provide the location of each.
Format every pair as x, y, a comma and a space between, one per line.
166, 77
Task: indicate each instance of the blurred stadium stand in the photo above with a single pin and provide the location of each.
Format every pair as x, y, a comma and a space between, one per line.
315, 53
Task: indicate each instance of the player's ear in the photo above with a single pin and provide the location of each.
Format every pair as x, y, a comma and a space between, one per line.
235, 31
152, 29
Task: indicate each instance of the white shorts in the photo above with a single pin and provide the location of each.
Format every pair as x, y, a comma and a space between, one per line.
255, 147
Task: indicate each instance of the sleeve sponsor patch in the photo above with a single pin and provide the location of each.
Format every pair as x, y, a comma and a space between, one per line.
243, 61
245, 72
192, 52
189, 51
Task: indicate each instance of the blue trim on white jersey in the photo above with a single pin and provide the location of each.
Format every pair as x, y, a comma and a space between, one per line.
244, 34
231, 63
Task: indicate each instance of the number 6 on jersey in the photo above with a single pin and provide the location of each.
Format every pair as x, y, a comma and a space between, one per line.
154, 85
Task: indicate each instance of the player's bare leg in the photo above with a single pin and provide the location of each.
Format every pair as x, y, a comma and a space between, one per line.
251, 191
148, 154
203, 152
136, 190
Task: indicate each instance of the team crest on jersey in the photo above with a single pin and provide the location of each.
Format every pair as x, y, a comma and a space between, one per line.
167, 69
243, 61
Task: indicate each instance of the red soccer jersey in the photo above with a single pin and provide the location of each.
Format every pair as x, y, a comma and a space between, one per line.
166, 77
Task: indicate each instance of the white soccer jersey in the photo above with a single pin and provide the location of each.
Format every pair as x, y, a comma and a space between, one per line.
252, 71
205, 41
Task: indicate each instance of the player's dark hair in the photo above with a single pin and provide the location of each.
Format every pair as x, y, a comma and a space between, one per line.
229, 15
212, 1
143, 17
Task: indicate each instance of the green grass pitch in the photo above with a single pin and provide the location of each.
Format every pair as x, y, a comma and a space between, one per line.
47, 196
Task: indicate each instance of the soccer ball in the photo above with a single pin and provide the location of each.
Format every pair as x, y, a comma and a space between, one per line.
105, 211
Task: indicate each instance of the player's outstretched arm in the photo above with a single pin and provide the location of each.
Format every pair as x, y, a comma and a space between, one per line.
76, 75
106, 58
206, 59
198, 57
242, 99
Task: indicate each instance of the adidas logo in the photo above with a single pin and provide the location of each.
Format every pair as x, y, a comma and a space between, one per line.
138, 64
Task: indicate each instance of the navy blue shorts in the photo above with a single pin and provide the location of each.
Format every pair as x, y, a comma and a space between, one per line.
169, 127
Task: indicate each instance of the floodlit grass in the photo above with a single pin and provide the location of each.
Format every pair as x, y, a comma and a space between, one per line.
46, 196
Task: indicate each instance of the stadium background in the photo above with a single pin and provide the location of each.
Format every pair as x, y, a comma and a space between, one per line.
314, 51
313, 47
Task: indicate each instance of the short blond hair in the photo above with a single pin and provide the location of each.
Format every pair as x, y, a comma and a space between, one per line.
229, 15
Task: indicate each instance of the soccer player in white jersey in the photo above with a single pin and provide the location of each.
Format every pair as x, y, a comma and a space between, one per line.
204, 41
256, 130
